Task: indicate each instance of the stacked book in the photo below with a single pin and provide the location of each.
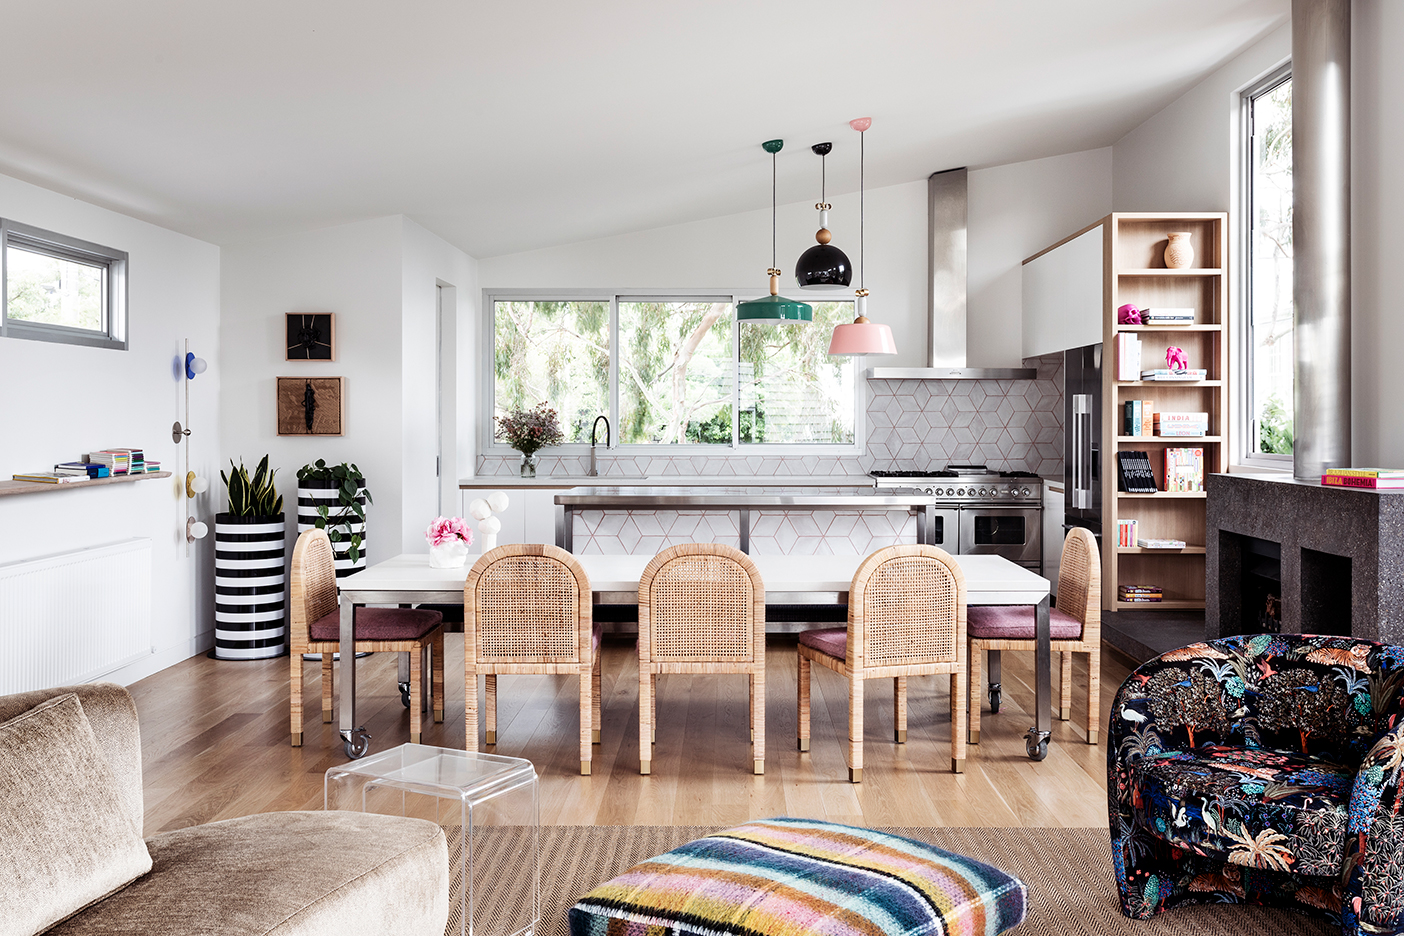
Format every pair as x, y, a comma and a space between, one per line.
1181, 424
82, 470
1126, 532
47, 477
1184, 469
1167, 316
1138, 593
1128, 356
1382, 479
1136, 474
1139, 419
1166, 373
117, 462
1160, 543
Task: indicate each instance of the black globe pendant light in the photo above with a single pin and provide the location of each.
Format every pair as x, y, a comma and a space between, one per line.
823, 265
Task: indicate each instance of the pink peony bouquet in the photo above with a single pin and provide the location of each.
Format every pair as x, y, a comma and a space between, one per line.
447, 530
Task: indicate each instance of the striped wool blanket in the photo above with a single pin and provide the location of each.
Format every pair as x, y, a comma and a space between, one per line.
786, 877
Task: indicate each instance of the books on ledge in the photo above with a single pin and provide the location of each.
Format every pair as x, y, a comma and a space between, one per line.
1128, 356
82, 470
1359, 481
1160, 543
1165, 373
47, 477
1184, 469
1139, 593
1139, 418
1167, 316
1135, 472
1181, 424
1126, 532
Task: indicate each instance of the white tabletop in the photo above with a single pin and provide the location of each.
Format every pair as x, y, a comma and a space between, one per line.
989, 580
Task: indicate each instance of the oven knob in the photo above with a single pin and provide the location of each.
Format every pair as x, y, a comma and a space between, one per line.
983, 492
960, 493
930, 490
1024, 492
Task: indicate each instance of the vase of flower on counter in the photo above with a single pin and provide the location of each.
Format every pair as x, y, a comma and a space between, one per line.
449, 539
529, 431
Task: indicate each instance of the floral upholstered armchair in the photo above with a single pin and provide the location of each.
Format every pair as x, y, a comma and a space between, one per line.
1262, 769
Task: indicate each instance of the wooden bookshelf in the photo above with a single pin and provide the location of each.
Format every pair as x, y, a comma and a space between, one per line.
1134, 271
39, 487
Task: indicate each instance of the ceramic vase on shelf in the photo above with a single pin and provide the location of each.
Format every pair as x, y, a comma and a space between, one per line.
1179, 252
529, 463
450, 555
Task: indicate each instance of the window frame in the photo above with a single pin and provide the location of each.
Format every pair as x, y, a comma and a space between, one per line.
492, 447
113, 262
1248, 417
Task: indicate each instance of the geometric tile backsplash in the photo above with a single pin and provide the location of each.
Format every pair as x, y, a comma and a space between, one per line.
911, 424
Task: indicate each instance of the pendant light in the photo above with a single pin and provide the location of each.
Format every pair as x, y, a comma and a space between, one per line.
863, 336
823, 264
774, 307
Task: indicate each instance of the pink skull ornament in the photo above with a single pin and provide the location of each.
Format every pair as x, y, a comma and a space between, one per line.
1128, 314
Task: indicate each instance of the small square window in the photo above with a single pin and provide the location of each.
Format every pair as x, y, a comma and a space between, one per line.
59, 288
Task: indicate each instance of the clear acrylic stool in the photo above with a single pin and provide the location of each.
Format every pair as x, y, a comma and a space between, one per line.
487, 806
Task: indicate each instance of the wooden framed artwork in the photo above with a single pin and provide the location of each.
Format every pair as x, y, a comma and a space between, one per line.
311, 336
310, 406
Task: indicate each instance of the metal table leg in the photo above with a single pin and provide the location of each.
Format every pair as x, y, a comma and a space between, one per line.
996, 687
1036, 741
743, 527
355, 738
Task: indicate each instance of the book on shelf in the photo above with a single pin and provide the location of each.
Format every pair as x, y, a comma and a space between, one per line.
1165, 373
1138, 418
1366, 472
1160, 543
1135, 473
1126, 532
1128, 356
1181, 424
1184, 469
47, 477
1139, 593
1167, 316
81, 470
119, 463
1352, 481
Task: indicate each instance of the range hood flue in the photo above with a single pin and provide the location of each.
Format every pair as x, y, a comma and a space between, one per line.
946, 202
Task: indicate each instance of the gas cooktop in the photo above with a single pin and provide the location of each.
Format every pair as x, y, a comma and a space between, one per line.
967, 484
954, 471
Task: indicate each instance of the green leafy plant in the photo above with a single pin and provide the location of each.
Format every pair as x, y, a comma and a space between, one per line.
1274, 428
252, 497
349, 482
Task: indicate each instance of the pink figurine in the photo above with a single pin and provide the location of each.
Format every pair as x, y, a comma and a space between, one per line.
1128, 315
1175, 359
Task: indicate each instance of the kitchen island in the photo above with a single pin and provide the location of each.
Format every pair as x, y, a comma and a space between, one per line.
742, 500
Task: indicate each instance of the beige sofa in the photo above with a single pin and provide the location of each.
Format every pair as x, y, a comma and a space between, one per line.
72, 860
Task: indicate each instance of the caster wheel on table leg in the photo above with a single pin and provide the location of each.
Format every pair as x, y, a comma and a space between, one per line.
357, 743
1036, 743
995, 695
404, 694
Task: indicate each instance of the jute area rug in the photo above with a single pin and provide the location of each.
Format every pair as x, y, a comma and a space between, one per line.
1068, 873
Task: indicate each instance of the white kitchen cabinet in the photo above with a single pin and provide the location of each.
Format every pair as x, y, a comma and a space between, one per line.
1063, 293
1052, 533
530, 516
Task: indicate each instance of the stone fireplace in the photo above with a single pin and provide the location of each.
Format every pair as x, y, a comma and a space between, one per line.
1334, 556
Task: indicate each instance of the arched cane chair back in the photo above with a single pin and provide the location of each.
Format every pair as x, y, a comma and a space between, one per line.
1080, 580
313, 582
526, 601
701, 602
910, 603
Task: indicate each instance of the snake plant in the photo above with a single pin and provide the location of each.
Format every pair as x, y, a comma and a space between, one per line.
256, 497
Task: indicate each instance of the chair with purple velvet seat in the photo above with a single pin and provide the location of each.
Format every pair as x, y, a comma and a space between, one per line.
1075, 625
316, 628
906, 617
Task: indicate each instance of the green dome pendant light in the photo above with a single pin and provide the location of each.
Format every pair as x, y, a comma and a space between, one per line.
774, 307
823, 265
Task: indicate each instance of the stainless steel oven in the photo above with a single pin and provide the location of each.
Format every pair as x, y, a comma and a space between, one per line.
1016, 533
945, 529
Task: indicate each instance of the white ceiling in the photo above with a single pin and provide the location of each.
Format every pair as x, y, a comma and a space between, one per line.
517, 124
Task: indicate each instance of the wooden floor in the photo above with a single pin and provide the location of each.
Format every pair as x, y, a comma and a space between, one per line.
215, 745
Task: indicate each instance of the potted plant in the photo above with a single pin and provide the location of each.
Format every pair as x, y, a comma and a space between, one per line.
528, 431
334, 498
249, 571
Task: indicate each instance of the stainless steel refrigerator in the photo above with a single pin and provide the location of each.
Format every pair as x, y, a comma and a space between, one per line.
1082, 439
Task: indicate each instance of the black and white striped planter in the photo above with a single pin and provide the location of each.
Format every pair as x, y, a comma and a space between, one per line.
250, 587
311, 493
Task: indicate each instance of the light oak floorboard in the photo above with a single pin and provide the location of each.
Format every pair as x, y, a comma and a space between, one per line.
215, 745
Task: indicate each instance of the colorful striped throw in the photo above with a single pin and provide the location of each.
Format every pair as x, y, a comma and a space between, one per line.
786, 877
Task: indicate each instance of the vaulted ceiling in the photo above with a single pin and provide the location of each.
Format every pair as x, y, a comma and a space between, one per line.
517, 124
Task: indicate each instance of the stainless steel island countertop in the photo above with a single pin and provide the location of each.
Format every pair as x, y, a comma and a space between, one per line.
742, 499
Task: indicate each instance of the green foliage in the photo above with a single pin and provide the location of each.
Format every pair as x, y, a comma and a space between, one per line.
555, 351
51, 291
349, 483
256, 497
1274, 428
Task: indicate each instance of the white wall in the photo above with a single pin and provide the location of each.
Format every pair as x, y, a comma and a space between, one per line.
1014, 212
63, 400
1377, 240
378, 276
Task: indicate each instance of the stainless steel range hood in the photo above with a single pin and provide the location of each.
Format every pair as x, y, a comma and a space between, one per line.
945, 356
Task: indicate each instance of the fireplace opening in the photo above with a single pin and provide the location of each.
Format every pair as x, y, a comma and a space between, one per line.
1326, 587
1260, 586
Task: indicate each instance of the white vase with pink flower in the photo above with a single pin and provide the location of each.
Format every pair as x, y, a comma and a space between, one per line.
449, 539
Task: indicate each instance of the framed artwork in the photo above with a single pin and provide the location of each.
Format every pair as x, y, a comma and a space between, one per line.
310, 406
311, 336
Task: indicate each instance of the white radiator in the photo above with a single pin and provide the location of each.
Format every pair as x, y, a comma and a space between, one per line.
75, 617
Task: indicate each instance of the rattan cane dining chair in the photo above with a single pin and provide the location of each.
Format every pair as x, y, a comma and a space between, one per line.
316, 628
1075, 624
701, 611
906, 617
527, 609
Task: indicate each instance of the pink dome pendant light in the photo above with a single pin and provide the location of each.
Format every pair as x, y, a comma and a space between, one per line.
862, 336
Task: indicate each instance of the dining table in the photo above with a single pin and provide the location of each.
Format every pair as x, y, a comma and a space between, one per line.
408, 579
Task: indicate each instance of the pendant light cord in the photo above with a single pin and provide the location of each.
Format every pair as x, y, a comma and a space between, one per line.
862, 175
773, 209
